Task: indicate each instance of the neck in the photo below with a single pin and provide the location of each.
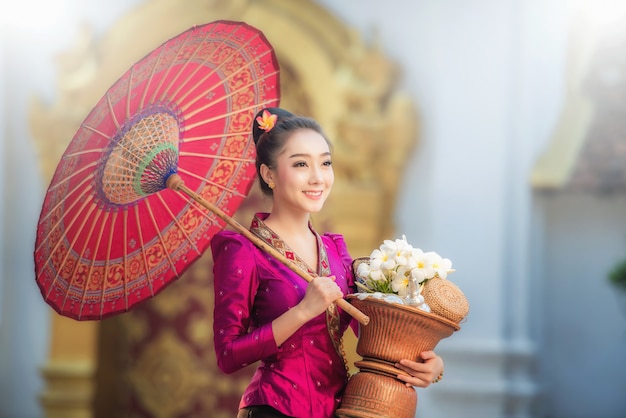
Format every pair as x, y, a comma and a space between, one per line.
287, 223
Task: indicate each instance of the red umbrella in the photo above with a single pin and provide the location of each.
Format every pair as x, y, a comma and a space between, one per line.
121, 217
110, 233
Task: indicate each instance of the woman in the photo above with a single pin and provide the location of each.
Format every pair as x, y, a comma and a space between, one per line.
264, 311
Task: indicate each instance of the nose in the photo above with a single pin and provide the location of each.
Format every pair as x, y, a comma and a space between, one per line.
316, 176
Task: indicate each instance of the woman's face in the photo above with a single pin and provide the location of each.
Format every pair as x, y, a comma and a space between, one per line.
303, 173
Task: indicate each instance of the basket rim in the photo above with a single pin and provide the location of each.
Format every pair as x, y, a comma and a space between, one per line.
410, 309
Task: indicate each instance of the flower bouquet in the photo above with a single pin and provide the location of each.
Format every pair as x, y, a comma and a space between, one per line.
411, 306
399, 273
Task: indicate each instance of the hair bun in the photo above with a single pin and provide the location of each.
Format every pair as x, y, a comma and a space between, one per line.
257, 131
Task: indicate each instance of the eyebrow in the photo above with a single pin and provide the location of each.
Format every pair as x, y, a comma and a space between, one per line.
324, 154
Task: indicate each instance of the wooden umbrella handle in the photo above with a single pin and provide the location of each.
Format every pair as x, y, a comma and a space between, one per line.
174, 182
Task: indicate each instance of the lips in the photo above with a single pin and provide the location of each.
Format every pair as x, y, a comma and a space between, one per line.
314, 194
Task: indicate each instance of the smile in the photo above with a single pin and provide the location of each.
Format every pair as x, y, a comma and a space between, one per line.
314, 195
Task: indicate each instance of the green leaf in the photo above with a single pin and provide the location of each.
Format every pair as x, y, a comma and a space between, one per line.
617, 275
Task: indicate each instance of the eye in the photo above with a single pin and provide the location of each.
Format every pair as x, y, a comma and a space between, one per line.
299, 164
328, 163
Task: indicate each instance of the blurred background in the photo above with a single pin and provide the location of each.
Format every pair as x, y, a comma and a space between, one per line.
492, 132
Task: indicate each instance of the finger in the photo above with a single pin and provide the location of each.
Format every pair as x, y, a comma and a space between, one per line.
412, 365
411, 381
426, 355
407, 369
411, 370
327, 282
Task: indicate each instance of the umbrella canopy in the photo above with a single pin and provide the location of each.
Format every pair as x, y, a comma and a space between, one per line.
110, 233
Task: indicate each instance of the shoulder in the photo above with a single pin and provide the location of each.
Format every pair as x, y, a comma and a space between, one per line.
230, 239
337, 240
337, 244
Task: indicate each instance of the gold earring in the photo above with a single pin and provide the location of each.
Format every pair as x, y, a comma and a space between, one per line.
271, 185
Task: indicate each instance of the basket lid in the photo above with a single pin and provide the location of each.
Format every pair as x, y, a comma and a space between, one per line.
446, 299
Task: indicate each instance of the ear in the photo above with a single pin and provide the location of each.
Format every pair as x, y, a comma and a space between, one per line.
266, 174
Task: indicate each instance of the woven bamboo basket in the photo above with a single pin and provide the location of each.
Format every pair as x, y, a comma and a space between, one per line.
445, 299
395, 332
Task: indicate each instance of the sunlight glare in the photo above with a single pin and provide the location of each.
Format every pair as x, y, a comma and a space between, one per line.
601, 13
32, 15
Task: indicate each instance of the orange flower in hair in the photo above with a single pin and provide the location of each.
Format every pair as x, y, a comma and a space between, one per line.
266, 121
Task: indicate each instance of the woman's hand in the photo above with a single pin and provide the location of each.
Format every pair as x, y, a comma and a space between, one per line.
320, 293
421, 374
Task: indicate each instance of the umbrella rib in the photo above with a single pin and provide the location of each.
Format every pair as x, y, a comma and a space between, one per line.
149, 80
53, 210
94, 130
196, 176
67, 254
198, 207
225, 115
72, 175
213, 70
222, 97
83, 152
143, 253
214, 136
125, 276
129, 91
158, 230
108, 266
112, 111
122, 156
193, 244
93, 260
82, 252
209, 89
231, 75
169, 68
221, 82
182, 84
217, 157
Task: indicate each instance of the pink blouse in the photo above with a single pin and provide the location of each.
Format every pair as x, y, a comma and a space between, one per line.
304, 377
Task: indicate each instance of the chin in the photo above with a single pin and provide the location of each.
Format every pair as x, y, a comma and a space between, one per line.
315, 208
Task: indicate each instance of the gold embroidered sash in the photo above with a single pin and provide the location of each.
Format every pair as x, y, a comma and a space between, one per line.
261, 230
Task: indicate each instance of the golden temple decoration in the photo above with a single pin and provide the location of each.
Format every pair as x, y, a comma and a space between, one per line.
166, 378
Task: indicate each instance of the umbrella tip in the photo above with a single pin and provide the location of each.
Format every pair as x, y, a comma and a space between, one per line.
174, 182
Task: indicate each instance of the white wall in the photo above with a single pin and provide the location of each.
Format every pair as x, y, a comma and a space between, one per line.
585, 342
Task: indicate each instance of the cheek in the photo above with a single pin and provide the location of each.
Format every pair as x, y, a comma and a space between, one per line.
284, 174
330, 178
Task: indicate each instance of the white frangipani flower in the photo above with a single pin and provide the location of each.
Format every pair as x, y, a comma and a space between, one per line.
442, 266
378, 275
423, 269
400, 283
382, 259
396, 264
363, 270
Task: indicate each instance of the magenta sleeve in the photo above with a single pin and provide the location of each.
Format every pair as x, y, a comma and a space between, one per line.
236, 343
